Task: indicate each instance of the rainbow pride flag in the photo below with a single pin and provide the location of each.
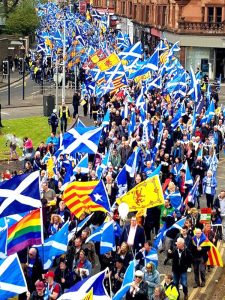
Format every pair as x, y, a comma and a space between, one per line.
27, 232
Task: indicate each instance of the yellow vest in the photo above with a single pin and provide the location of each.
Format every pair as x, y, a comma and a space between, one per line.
61, 112
172, 292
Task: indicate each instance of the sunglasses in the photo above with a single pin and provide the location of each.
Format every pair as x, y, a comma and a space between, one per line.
138, 277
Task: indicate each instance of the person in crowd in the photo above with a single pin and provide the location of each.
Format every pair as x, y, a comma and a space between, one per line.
159, 293
55, 224
219, 205
63, 275
64, 115
76, 103
39, 293
139, 288
53, 121
124, 253
209, 187
151, 277
53, 289
171, 290
117, 274
82, 267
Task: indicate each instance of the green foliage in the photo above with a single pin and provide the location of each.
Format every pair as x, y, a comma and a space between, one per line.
23, 20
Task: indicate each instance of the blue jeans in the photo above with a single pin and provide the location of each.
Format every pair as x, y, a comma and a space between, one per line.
182, 279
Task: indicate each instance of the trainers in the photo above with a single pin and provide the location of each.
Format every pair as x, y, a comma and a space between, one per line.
202, 284
189, 270
180, 287
195, 286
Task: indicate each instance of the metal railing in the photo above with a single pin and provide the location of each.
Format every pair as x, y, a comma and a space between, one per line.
201, 27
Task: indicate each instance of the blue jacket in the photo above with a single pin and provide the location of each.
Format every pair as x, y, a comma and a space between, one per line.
213, 185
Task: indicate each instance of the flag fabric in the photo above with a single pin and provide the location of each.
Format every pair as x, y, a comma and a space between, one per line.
105, 235
158, 141
27, 232
152, 256
77, 198
188, 177
89, 295
12, 219
100, 196
20, 194
3, 239
127, 280
109, 62
121, 180
79, 227
83, 165
158, 240
106, 119
54, 246
214, 257
46, 157
131, 54
138, 197
81, 288
104, 164
79, 123
12, 280
175, 198
132, 163
191, 197
81, 139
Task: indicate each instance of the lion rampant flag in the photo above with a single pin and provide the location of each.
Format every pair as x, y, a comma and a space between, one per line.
145, 195
109, 62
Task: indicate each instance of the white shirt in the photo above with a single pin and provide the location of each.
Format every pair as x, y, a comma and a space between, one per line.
131, 235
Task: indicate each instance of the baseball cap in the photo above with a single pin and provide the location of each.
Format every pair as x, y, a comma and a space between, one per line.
50, 274
39, 285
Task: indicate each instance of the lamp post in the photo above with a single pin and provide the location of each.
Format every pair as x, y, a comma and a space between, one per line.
64, 62
9, 60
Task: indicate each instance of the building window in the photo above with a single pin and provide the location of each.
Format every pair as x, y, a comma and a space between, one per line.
123, 8
218, 14
147, 14
135, 12
210, 14
130, 8
164, 16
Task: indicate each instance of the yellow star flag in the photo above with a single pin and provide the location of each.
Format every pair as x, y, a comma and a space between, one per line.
50, 166
146, 194
89, 295
109, 62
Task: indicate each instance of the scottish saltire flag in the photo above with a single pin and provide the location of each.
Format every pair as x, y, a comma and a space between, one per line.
175, 198
79, 123
188, 177
79, 290
132, 163
140, 102
179, 224
100, 196
79, 227
152, 256
132, 54
195, 89
191, 197
3, 239
180, 112
155, 172
83, 165
20, 194
81, 139
12, 280
69, 176
105, 235
121, 180
54, 246
132, 125
158, 241
104, 164
153, 84
158, 142
214, 163
128, 279
46, 158
106, 119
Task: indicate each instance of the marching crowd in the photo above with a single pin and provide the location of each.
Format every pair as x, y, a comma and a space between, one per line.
187, 249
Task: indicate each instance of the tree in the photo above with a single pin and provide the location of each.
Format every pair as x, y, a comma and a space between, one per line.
23, 19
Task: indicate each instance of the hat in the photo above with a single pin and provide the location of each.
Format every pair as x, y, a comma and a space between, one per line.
39, 285
120, 260
50, 274
139, 273
190, 204
55, 111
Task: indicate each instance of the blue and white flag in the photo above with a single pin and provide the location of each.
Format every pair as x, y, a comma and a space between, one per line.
79, 290
192, 195
20, 194
105, 235
175, 198
46, 158
132, 54
54, 246
83, 165
121, 180
12, 280
12, 219
100, 196
158, 142
106, 119
180, 112
132, 125
152, 256
69, 176
104, 164
132, 163
158, 241
188, 177
79, 123
128, 279
79, 227
81, 139
3, 239
195, 89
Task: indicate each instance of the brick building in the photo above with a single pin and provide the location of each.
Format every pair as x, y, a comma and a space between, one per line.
199, 25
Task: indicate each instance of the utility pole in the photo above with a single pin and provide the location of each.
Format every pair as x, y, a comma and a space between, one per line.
64, 62
56, 86
9, 96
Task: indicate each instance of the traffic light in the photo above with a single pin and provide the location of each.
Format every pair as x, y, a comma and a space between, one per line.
21, 65
5, 67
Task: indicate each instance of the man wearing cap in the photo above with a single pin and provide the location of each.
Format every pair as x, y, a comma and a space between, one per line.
118, 274
139, 288
39, 294
53, 289
63, 275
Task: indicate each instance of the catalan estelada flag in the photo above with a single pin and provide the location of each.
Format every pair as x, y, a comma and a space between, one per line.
76, 197
214, 257
27, 232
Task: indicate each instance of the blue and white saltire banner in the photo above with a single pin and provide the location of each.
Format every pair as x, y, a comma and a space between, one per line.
188, 177
46, 158
105, 235
12, 219
3, 239
180, 112
195, 90
81, 139
128, 279
100, 196
152, 256
158, 142
131, 164
175, 198
80, 123
132, 54
20, 194
54, 246
106, 119
83, 165
12, 280
104, 164
121, 180
78, 227
79, 290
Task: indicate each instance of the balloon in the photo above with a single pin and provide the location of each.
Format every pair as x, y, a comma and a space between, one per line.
123, 210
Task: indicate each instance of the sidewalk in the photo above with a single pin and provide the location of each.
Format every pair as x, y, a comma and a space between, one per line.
14, 77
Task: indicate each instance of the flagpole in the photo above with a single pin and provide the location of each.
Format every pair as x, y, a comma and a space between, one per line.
56, 86
64, 61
